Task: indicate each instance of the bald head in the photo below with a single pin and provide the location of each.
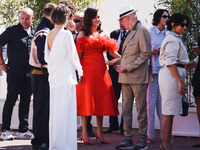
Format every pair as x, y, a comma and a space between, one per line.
26, 17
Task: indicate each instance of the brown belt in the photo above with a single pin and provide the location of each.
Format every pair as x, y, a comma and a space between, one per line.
34, 71
180, 65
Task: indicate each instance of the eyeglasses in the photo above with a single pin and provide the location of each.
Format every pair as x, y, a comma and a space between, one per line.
77, 20
183, 25
165, 16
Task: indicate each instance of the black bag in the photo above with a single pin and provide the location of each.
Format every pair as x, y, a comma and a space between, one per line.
185, 106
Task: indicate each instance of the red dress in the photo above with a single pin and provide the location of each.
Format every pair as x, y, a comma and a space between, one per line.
95, 94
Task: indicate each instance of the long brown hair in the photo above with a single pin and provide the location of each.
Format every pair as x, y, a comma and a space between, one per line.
90, 14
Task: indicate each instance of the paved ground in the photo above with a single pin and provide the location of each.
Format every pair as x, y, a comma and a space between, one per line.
179, 143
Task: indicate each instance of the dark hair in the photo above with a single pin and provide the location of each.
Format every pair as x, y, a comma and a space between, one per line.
68, 4
157, 16
90, 14
177, 19
48, 8
60, 14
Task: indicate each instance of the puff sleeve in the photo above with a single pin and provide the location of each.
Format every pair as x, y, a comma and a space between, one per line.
111, 44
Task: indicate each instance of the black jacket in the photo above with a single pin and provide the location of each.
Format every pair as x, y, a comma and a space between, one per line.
40, 40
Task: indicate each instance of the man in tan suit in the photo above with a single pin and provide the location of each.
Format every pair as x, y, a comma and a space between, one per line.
134, 75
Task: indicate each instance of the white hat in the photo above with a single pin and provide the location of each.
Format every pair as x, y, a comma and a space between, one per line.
127, 10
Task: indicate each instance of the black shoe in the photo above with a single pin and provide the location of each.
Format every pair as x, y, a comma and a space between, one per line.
110, 130
197, 145
125, 145
91, 133
44, 146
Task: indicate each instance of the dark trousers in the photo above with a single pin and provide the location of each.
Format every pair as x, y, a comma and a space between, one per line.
40, 87
17, 84
113, 120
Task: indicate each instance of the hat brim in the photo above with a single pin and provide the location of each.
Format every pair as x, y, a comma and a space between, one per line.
127, 14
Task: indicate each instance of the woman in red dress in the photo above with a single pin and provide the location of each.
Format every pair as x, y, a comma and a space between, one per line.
95, 93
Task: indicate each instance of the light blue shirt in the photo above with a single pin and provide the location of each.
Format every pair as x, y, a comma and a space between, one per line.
156, 37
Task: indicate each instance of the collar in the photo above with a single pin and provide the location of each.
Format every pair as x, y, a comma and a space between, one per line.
158, 31
173, 33
47, 22
135, 26
121, 31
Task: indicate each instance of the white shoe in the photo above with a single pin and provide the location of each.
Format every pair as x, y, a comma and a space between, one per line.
25, 136
6, 135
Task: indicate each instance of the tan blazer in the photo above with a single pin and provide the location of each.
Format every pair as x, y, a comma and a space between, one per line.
135, 54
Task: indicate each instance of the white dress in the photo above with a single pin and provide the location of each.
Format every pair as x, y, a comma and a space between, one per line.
62, 62
172, 52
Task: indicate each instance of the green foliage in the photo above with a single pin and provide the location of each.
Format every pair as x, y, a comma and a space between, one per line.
191, 8
10, 9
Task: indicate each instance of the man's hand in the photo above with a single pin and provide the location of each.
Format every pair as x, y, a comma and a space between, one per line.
4, 67
196, 50
71, 25
112, 62
120, 69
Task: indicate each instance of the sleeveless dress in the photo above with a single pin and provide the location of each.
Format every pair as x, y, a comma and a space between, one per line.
95, 94
62, 62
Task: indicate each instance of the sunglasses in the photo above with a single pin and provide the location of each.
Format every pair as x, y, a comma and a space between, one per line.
183, 25
165, 16
77, 20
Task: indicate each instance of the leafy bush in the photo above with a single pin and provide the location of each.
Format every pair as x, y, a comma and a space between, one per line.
10, 9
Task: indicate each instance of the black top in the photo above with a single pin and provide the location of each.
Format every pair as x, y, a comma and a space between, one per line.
18, 47
196, 76
40, 40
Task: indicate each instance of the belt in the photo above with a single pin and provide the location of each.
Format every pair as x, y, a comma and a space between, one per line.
34, 71
180, 65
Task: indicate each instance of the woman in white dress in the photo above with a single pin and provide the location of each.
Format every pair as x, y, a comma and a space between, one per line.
62, 59
173, 58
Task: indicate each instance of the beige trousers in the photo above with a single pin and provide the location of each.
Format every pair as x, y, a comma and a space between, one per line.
129, 93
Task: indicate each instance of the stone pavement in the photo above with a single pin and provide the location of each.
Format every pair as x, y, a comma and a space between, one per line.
179, 143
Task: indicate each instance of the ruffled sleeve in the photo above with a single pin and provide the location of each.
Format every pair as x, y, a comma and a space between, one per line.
80, 45
111, 44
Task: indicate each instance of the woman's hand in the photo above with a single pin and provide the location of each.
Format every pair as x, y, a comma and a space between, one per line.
79, 79
3, 67
112, 62
156, 51
190, 65
182, 87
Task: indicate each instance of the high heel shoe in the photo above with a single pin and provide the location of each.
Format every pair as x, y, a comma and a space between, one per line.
85, 142
101, 141
163, 148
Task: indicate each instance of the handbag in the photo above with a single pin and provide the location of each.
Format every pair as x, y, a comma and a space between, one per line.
185, 106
